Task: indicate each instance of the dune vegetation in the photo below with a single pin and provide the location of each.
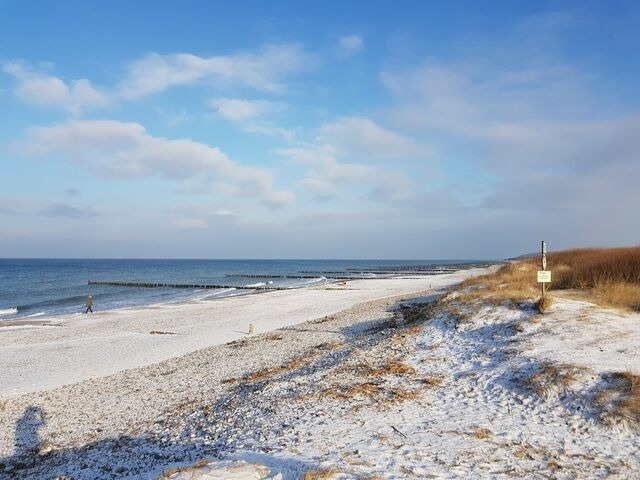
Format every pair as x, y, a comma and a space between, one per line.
606, 276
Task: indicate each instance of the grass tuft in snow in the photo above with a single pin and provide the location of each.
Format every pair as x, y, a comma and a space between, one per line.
482, 433
321, 474
391, 367
431, 382
629, 406
551, 377
544, 303
621, 399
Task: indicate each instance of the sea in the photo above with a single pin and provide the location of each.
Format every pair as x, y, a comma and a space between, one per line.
31, 288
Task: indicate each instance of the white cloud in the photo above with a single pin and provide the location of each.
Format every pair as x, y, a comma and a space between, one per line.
265, 70
240, 110
38, 88
361, 137
126, 150
329, 176
349, 45
272, 130
520, 119
553, 146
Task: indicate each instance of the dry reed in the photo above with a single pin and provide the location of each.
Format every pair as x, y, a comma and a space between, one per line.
611, 276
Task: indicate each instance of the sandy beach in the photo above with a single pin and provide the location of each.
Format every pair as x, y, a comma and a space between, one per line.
51, 352
105, 375
357, 381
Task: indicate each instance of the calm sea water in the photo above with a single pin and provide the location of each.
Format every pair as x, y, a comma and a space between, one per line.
36, 287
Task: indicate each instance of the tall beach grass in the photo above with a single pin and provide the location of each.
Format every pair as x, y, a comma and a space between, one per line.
608, 276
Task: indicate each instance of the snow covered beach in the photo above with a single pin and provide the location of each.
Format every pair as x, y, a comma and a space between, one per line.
51, 352
377, 383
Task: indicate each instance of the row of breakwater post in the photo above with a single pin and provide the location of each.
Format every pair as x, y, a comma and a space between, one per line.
183, 285
258, 275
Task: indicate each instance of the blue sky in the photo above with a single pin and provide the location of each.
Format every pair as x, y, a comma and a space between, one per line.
252, 129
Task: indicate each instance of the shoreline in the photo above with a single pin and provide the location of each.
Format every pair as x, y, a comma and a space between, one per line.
72, 348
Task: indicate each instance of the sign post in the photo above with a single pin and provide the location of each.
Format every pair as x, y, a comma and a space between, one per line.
544, 262
544, 276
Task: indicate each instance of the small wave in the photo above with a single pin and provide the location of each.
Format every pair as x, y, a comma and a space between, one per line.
39, 314
311, 281
8, 311
227, 292
256, 285
54, 303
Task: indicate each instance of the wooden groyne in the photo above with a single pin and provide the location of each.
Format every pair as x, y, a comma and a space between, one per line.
182, 285
257, 275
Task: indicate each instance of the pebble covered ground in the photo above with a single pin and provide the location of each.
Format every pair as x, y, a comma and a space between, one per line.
131, 422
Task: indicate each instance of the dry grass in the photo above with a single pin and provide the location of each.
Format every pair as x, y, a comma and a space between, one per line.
515, 281
266, 373
413, 330
530, 452
586, 268
550, 377
294, 363
629, 406
372, 392
623, 396
482, 433
431, 382
611, 276
397, 368
320, 474
368, 389
617, 295
392, 367
544, 303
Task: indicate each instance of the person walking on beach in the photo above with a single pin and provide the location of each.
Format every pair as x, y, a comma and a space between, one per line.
89, 304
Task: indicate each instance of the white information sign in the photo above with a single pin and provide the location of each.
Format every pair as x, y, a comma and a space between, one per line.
544, 276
